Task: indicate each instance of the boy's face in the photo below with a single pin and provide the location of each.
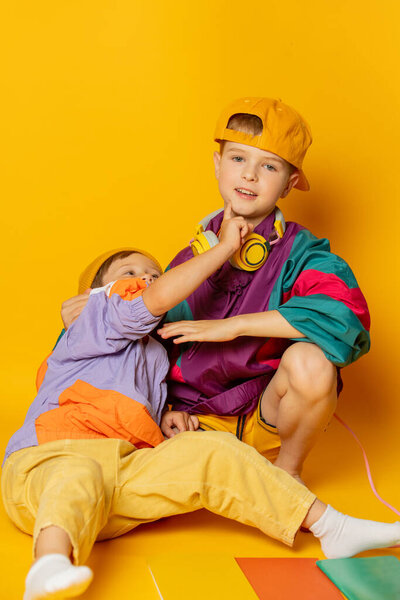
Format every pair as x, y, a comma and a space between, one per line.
134, 265
252, 179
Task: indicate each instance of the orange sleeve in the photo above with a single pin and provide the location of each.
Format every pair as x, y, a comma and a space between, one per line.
128, 289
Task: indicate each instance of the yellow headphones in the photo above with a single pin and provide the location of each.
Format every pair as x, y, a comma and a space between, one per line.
255, 249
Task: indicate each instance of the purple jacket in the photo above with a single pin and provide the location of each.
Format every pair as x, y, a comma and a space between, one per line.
312, 288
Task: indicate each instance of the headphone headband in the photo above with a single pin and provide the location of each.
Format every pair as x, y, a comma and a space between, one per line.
255, 249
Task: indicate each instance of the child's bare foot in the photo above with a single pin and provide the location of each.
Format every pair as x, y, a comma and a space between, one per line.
53, 576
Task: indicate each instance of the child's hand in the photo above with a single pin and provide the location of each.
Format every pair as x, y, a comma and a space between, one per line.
72, 308
233, 229
173, 422
219, 330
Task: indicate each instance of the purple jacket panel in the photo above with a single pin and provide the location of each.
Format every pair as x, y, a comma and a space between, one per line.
228, 378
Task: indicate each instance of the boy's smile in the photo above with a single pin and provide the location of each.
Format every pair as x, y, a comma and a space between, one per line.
253, 180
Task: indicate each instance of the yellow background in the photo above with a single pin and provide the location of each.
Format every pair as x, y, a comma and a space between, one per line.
107, 115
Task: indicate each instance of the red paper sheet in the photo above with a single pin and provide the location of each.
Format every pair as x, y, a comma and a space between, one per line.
288, 579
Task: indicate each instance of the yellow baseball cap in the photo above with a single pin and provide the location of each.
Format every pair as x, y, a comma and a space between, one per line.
284, 133
86, 278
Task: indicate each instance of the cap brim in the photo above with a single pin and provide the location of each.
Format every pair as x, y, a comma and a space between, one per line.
302, 183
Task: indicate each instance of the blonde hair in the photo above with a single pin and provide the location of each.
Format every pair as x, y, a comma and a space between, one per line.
243, 122
246, 123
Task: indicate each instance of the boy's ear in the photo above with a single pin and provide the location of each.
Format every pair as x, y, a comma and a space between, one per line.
217, 162
293, 179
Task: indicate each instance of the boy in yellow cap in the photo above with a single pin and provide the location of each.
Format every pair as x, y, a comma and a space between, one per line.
266, 335
298, 306
90, 461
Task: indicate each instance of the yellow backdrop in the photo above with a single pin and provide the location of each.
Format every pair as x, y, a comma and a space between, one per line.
108, 110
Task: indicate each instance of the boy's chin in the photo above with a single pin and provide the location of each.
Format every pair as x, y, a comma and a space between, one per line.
251, 215
245, 212
242, 211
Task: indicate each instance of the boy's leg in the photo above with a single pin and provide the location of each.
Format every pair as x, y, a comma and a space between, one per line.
210, 470
53, 540
216, 471
300, 401
67, 491
56, 495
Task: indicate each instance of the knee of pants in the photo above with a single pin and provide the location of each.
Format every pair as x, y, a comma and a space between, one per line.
67, 477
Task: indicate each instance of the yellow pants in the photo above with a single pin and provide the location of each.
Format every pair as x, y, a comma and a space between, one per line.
251, 429
99, 489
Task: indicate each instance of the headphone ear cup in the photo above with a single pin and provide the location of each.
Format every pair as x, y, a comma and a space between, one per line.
252, 254
203, 242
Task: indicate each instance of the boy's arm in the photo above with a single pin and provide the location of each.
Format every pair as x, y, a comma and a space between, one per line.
113, 316
178, 283
162, 297
316, 299
265, 324
118, 315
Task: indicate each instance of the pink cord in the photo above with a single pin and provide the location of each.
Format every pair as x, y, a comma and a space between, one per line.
371, 483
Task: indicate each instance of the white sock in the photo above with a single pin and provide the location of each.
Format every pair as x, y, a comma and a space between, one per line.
54, 576
342, 536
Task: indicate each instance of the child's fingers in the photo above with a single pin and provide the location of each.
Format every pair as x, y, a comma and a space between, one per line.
166, 327
183, 331
164, 331
167, 430
167, 423
186, 331
183, 339
186, 336
243, 233
228, 210
246, 230
81, 302
181, 421
170, 329
79, 298
72, 308
193, 422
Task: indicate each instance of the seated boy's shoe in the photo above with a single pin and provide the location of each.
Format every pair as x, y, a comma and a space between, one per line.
54, 577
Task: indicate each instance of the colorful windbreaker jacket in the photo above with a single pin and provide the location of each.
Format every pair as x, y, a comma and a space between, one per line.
105, 378
313, 289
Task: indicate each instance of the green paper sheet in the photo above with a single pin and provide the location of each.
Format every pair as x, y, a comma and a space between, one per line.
372, 578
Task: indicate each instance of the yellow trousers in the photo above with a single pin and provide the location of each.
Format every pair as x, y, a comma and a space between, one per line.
99, 489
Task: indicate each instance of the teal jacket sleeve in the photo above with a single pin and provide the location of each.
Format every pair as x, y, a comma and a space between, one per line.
321, 298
